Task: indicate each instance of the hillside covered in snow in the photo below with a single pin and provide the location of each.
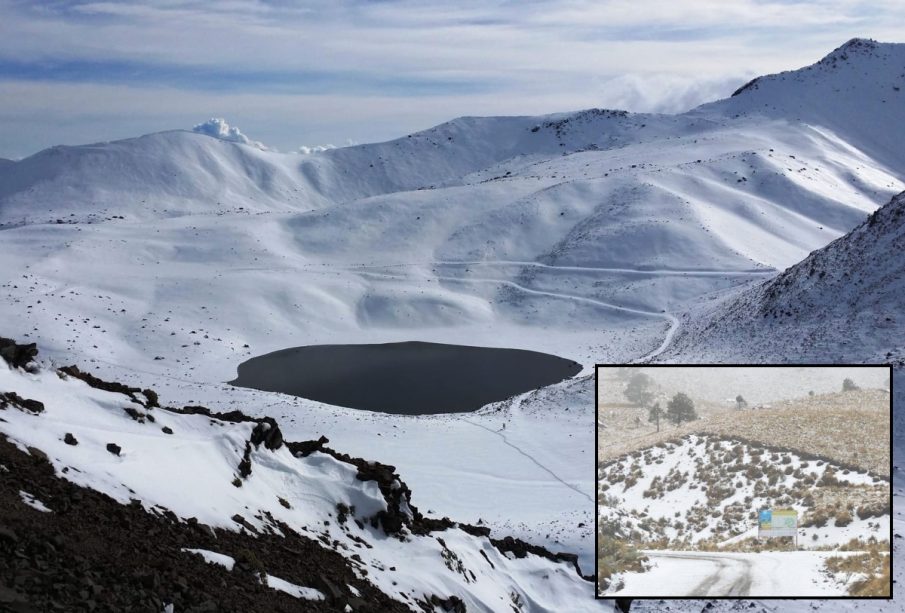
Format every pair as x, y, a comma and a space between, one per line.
842, 302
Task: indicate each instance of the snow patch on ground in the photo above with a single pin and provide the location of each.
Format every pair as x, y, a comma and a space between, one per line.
212, 557
33, 502
305, 593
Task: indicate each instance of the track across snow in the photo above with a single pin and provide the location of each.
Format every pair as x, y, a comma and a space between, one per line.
701, 574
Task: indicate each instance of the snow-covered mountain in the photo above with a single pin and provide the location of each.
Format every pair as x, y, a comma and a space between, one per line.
168, 259
857, 92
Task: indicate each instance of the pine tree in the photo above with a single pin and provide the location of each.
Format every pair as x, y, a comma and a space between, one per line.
654, 414
680, 408
849, 386
639, 389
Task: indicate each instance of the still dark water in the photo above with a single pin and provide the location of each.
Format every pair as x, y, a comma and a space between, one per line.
412, 378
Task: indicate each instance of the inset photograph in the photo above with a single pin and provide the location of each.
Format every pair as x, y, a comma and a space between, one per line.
744, 481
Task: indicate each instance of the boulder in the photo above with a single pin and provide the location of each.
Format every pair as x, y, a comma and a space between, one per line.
16, 355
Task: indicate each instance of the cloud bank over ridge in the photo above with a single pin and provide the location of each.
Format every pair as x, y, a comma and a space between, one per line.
309, 72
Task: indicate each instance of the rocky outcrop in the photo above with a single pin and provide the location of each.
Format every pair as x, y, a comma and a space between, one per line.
305, 448
91, 553
16, 355
267, 432
520, 549
107, 386
26, 404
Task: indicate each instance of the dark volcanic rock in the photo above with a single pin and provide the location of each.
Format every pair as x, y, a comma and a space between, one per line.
95, 554
268, 432
38, 455
303, 449
245, 463
453, 604
114, 448
107, 386
520, 549
16, 355
14, 399
70, 440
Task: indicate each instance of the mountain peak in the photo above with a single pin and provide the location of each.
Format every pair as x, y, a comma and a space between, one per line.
854, 46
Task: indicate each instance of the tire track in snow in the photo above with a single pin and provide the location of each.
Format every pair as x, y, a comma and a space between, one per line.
732, 577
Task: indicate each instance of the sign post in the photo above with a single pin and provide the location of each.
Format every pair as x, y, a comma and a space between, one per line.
778, 522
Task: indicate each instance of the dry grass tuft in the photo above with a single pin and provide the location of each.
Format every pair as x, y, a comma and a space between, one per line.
872, 568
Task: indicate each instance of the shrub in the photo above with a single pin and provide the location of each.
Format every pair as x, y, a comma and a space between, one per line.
815, 518
614, 556
875, 509
843, 518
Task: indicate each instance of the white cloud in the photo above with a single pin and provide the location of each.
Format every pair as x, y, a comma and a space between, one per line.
309, 149
376, 70
666, 93
218, 128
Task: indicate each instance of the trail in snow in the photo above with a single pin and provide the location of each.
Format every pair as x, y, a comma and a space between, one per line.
530, 457
674, 322
653, 272
119, 365
528, 290
704, 272
673, 328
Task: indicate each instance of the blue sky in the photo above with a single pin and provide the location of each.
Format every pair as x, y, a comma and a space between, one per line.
294, 74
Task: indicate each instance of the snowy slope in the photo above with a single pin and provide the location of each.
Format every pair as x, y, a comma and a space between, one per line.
857, 92
841, 303
152, 176
161, 456
706, 487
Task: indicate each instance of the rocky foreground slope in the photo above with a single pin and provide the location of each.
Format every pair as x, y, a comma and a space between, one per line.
112, 501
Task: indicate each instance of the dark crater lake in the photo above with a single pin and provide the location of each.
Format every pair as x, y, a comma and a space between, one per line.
411, 378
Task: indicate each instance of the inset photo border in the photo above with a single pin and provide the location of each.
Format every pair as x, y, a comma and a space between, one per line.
744, 481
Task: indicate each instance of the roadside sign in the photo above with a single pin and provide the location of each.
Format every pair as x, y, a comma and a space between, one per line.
777, 522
